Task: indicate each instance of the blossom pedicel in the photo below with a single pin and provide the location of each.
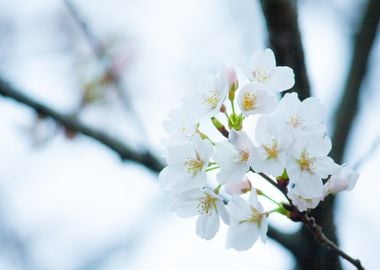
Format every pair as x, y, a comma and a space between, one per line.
289, 147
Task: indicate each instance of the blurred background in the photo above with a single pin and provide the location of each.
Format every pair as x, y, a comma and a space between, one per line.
69, 202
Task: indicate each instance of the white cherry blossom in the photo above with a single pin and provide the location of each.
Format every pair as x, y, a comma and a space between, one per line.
205, 204
307, 115
344, 179
234, 157
180, 126
209, 97
253, 99
248, 222
187, 165
262, 69
273, 139
303, 204
308, 163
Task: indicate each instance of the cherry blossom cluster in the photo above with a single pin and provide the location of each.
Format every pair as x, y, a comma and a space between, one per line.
288, 144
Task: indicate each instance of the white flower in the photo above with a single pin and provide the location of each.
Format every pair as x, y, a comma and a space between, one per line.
307, 115
233, 157
205, 203
253, 99
186, 165
302, 203
248, 222
308, 163
263, 70
181, 127
239, 187
273, 139
344, 179
208, 99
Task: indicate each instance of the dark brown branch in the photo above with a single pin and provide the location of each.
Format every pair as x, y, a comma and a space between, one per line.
316, 230
285, 40
349, 104
70, 122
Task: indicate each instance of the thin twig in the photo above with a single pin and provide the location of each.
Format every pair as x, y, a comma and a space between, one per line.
316, 230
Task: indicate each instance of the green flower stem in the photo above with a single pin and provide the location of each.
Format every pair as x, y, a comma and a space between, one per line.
259, 192
212, 168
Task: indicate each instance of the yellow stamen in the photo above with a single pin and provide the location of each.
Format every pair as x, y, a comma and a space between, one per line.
194, 165
260, 74
211, 99
272, 151
207, 205
249, 101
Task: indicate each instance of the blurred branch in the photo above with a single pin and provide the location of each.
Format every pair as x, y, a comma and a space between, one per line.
70, 122
349, 104
369, 153
105, 60
285, 40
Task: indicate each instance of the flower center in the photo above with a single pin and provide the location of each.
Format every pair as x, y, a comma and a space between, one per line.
260, 74
206, 205
249, 101
255, 217
295, 121
306, 163
244, 155
272, 151
194, 165
211, 99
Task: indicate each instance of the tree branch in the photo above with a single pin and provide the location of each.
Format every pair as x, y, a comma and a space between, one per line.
349, 104
316, 230
285, 40
145, 158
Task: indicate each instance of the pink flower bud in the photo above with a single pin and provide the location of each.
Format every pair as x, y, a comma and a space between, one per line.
232, 78
239, 187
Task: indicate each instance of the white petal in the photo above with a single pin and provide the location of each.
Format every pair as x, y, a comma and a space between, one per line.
319, 145
186, 209
242, 239
281, 79
207, 226
222, 211
288, 106
326, 166
309, 186
312, 112
263, 229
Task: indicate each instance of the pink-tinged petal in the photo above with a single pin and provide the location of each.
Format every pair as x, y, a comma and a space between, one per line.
238, 187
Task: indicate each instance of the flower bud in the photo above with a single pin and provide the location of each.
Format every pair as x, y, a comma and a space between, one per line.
237, 188
232, 82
